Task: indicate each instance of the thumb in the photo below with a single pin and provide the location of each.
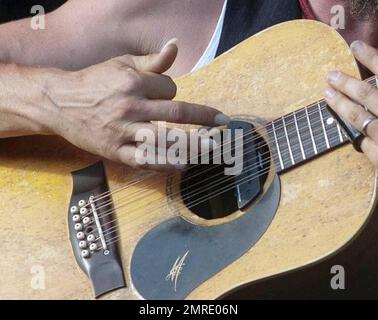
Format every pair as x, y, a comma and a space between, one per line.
157, 62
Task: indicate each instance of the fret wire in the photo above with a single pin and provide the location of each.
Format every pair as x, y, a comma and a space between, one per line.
323, 126
288, 141
277, 146
299, 136
331, 127
340, 133
337, 124
277, 158
311, 133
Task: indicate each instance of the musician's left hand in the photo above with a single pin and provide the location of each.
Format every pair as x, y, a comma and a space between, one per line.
349, 97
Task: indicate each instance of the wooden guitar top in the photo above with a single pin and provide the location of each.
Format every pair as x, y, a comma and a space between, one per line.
323, 203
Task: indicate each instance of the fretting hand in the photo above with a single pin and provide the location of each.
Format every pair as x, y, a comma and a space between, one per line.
349, 97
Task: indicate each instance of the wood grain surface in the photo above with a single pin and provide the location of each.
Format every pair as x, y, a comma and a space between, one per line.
323, 204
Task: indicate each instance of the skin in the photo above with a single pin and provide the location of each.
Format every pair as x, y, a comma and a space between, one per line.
82, 33
100, 108
355, 29
349, 97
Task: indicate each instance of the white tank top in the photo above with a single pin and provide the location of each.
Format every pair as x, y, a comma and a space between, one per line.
212, 47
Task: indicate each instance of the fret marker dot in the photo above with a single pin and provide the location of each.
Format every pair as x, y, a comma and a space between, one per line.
330, 121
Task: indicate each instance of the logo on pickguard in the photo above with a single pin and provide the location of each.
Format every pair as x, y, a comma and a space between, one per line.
176, 270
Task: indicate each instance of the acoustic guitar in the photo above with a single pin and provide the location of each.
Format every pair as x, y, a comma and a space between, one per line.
74, 226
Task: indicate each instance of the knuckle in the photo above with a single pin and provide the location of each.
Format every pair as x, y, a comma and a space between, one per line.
177, 113
132, 107
133, 81
364, 90
355, 115
372, 55
116, 63
108, 150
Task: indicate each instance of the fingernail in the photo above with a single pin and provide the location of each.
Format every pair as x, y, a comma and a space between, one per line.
330, 93
357, 47
172, 41
334, 76
221, 119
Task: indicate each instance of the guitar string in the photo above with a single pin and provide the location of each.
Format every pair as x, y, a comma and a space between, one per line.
317, 110
120, 204
308, 141
370, 81
249, 132
254, 138
118, 237
201, 172
373, 81
213, 184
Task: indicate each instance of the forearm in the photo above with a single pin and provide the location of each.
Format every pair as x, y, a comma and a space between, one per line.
77, 35
25, 107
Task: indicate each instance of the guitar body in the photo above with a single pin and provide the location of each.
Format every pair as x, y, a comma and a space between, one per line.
322, 204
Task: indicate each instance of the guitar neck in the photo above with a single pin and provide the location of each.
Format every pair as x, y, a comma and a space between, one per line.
305, 134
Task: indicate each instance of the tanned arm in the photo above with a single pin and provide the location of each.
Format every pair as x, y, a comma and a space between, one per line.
76, 35
99, 109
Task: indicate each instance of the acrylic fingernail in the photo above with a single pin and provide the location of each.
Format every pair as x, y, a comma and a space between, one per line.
357, 47
221, 119
172, 41
330, 93
334, 76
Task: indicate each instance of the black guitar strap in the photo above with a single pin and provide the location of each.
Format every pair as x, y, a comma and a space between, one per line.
245, 18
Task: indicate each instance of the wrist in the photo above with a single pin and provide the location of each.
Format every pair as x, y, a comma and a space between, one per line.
56, 87
40, 105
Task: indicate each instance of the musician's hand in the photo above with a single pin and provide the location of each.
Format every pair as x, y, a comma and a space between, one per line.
102, 107
349, 98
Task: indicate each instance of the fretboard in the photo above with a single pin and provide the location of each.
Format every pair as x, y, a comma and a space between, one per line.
305, 134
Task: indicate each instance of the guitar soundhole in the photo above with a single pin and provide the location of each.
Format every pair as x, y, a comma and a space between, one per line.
209, 193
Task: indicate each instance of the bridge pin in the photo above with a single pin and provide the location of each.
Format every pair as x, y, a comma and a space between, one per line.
91, 238
85, 253
74, 209
82, 244
82, 203
80, 235
86, 220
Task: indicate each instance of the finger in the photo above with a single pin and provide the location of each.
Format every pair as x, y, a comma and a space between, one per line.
183, 112
360, 91
132, 156
366, 54
156, 135
157, 62
370, 148
163, 138
351, 112
157, 86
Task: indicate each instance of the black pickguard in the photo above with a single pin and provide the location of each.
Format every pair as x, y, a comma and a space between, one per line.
208, 249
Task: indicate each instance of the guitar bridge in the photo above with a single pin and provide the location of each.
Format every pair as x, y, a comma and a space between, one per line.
93, 229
